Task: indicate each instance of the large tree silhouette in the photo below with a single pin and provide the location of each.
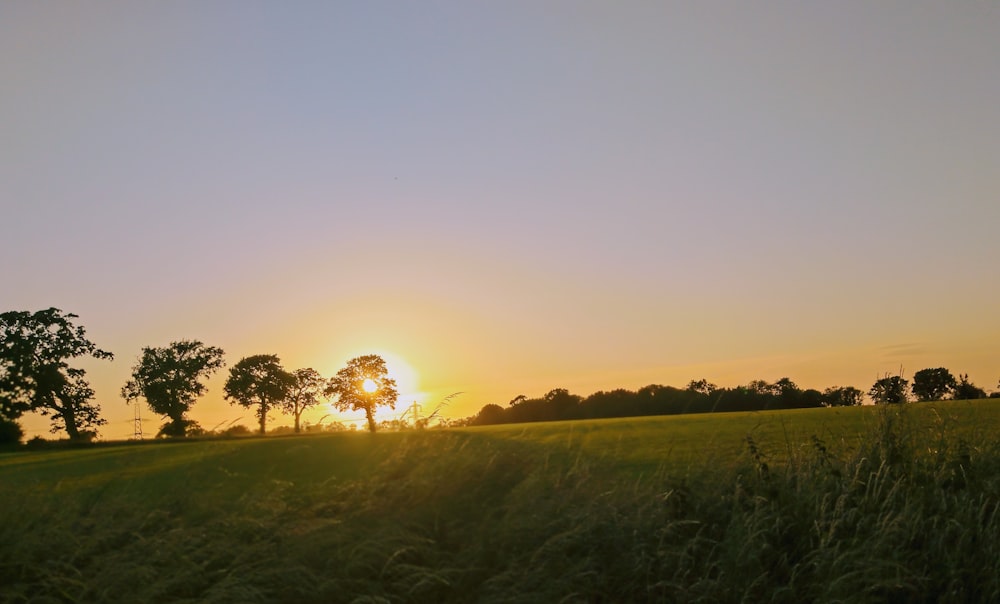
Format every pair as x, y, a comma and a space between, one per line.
966, 390
306, 392
34, 374
890, 389
259, 381
364, 385
170, 379
933, 384
842, 396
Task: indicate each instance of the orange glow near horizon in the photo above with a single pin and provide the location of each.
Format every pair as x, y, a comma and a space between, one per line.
407, 384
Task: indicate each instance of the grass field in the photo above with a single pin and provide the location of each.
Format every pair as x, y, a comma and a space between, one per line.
857, 504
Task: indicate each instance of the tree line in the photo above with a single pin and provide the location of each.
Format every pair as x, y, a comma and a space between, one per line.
701, 396
932, 384
35, 376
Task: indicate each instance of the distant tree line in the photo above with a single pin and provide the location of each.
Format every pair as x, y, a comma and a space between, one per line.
701, 396
933, 384
698, 397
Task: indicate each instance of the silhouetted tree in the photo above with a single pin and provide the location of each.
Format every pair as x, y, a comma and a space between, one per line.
349, 386
656, 399
259, 381
889, 390
789, 394
557, 404
761, 387
170, 379
562, 404
702, 386
616, 403
488, 415
10, 432
809, 398
842, 396
757, 395
933, 384
966, 390
306, 392
34, 374
237, 430
527, 410
785, 387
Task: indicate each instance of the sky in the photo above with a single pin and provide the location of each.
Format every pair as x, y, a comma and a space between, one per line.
505, 198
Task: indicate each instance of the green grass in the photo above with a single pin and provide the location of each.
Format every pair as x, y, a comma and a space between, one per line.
856, 504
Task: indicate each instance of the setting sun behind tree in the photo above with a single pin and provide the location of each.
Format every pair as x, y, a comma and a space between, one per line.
364, 384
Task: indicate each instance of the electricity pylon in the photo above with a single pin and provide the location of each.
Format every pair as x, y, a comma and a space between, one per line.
416, 413
137, 421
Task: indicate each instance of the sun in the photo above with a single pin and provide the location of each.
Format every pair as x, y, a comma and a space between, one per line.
398, 369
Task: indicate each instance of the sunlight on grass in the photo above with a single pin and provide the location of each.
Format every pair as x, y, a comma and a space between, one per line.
822, 505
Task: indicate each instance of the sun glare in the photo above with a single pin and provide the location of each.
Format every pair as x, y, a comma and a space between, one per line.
407, 383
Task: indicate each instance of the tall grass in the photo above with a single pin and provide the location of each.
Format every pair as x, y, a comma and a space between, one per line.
455, 516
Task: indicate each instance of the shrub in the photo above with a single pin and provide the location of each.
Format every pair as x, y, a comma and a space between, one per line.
10, 433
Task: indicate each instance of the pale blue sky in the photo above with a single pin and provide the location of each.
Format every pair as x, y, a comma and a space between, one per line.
514, 196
